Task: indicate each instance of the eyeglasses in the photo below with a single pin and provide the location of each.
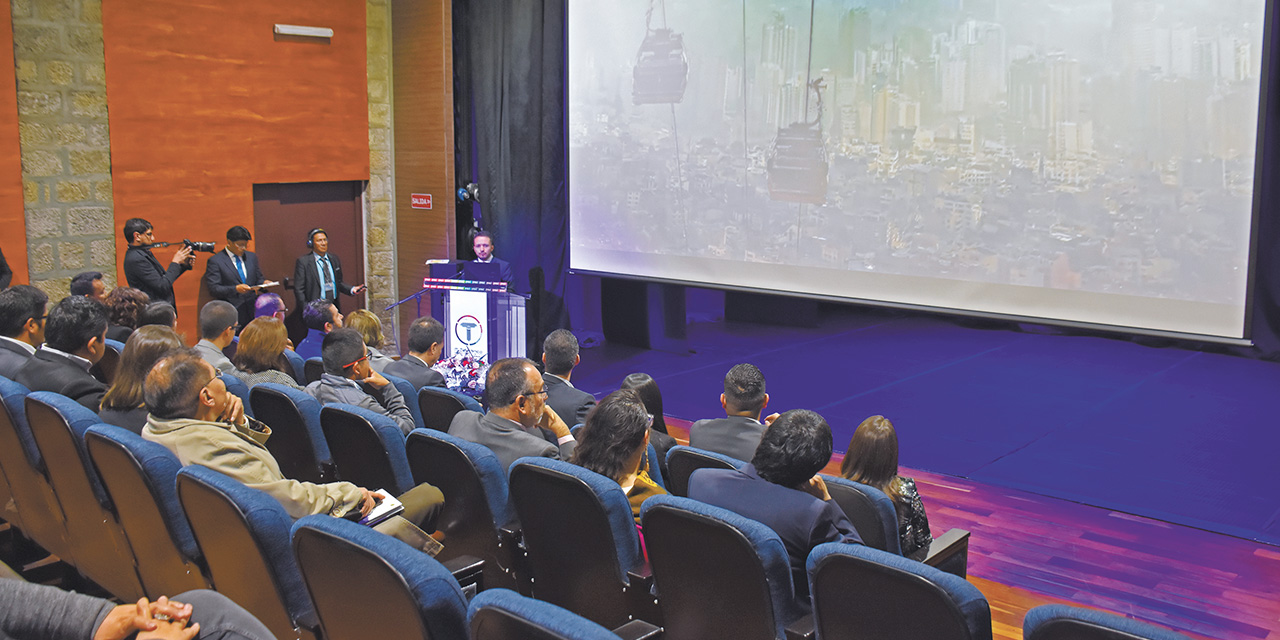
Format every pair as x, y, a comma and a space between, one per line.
534, 393
361, 359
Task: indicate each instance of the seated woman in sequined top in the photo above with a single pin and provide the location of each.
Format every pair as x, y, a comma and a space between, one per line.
872, 459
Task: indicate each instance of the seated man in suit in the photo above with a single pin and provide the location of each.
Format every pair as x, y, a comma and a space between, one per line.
519, 422
270, 304
349, 379
195, 417
75, 339
737, 434
321, 317
90, 285
22, 320
233, 274
426, 341
559, 357
218, 325
781, 488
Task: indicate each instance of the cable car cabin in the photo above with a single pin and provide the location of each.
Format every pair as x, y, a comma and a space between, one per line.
798, 165
661, 70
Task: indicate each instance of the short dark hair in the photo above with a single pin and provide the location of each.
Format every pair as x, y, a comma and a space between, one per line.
507, 381
613, 431
559, 351
215, 317
161, 313
18, 304
135, 225
268, 304
481, 232
744, 388
794, 448
340, 349
172, 388
82, 283
238, 233
424, 332
73, 322
317, 313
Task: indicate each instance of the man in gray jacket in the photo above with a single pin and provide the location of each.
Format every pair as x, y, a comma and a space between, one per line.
349, 379
519, 422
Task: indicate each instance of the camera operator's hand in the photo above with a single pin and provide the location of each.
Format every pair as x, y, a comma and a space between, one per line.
183, 255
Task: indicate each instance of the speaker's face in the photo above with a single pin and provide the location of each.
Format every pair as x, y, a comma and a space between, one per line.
483, 247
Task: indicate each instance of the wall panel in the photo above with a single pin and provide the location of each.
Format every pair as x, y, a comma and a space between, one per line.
12, 218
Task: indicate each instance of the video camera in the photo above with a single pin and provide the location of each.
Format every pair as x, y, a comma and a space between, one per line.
206, 247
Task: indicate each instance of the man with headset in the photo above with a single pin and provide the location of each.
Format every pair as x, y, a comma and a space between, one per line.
318, 275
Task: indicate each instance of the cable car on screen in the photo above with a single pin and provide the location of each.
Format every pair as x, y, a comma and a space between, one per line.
662, 70
798, 160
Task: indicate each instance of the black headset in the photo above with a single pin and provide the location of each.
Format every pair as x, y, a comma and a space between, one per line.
312, 234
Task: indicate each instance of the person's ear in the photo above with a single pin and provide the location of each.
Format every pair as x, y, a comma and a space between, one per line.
723, 403
31, 326
544, 360
576, 360
766, 403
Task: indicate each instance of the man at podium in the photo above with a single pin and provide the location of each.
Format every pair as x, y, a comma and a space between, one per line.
482, 244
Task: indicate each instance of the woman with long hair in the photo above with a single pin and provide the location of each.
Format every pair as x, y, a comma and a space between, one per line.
370, 328
612, 443
872, 459
123, 405
124, 305
647, 388
260, 354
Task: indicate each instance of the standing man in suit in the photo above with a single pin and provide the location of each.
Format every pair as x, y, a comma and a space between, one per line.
426, 341
233, 274
519, 422
75, 340
482, 244
143, 271
559, 357
6, 272
737, 434
22, 320
318, 275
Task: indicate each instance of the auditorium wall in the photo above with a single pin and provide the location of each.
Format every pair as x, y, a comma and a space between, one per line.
12, 212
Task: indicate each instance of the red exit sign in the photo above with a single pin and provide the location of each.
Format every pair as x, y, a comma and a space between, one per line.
420, 201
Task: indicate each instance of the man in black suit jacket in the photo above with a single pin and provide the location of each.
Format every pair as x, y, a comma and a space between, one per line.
559, 357
482, 244
6, 272
233, 274
737, 434
22, 314
75, 340
426, 341
318, 274
143, 271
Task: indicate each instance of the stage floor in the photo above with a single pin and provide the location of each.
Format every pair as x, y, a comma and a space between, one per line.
1167, 433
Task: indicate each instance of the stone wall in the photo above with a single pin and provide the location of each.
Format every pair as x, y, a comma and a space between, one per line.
380, 224
66, 149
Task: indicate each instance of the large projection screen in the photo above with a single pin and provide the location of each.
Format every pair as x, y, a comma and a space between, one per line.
1081, 161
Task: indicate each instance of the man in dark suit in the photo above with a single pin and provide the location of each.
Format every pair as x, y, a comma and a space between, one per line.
318, 275
22, 320
143, 271
482, 244
90, 285
559, 357
737, 434
233, 274
426, 341
75, 340
519, 422
781, 488
6, 272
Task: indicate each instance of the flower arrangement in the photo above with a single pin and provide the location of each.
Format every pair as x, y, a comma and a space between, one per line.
464, 371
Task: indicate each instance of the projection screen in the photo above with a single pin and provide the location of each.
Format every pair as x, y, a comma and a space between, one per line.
1083, 161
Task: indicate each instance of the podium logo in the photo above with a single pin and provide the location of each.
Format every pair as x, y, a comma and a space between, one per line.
468, 330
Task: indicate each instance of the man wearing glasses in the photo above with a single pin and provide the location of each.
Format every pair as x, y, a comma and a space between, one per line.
349, 379
519, 422
218, 325
22, 313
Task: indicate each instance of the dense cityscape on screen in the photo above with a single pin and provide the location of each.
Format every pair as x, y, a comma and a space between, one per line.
1099, 145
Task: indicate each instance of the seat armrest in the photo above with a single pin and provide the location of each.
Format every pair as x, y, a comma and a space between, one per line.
950, 553
467, 570
802, 629
640, 594
638, 630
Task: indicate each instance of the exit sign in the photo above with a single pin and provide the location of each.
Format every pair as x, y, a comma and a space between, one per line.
420, 201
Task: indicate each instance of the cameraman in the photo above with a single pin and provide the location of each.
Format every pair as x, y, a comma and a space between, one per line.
141, 269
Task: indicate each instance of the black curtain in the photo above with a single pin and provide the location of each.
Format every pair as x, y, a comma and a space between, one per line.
509, 128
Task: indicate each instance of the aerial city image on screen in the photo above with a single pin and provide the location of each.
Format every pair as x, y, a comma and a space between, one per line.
1097, 145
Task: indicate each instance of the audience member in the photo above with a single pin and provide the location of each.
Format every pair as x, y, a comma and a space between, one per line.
161, 313
737, 434
194, 416
426, 341
270, 304
219, 322
124, 309
260, 355
74, 335
321, 317
123, 404
22, 323
90, 285
349, 379
370, 329
872, 459
519, 422
613, 442
782, 489
559, 357
647, 388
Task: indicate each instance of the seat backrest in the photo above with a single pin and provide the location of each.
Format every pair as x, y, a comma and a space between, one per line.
410, 394
502, 614
1060, 622
297, 366
862, 592
140, 476
240, 389
368, 448
870, 511
101, 550
243, 535
655, 469
682, 461
39, 513
313, 368
105, 368
297, 440
718, 574
438, 406
580, 535
403, 593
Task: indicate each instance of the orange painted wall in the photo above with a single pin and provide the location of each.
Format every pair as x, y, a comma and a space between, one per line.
204, 101
12, 218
